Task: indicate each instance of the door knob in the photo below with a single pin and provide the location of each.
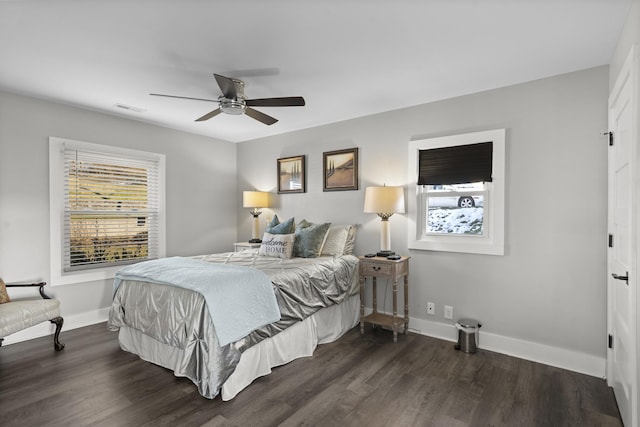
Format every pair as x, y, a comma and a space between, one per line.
625, 277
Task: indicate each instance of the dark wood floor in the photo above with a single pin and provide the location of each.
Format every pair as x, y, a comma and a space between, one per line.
357, 381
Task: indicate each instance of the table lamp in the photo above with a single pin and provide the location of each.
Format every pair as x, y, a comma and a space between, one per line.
384, 201
255, 200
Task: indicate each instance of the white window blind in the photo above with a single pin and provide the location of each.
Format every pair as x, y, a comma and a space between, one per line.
111, 209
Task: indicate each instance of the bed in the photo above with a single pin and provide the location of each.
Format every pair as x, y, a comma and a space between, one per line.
175, 326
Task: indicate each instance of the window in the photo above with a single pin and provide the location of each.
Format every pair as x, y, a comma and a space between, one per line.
108, 205
459, 193
455, 209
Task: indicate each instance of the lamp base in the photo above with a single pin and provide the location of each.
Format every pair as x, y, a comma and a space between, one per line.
255, 240
385, 254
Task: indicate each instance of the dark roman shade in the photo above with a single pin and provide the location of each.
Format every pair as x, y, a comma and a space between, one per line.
456, 165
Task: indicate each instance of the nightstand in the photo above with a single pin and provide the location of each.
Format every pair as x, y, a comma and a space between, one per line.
378, 267
243, 246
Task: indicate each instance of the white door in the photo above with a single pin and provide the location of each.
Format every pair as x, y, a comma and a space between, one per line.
623, 209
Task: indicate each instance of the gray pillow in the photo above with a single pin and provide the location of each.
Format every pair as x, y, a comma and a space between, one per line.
304, 224
276, 227
309, 239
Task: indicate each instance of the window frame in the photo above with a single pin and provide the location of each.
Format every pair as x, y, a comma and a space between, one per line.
57, 146
492, 240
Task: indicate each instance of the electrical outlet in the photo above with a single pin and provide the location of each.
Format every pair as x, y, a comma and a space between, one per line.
448, 312
431, 308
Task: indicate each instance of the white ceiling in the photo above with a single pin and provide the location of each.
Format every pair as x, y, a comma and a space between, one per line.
347, 58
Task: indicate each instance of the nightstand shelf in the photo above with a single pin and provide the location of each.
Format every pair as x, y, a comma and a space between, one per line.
382, 320
375, 268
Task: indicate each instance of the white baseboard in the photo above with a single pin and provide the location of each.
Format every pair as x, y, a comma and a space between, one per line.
535, 352
70, 322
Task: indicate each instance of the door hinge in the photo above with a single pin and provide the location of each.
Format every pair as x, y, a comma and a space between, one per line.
610, 240
610, 341
610, 137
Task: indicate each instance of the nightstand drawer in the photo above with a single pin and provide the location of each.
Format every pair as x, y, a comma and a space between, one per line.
376, 269
243, 246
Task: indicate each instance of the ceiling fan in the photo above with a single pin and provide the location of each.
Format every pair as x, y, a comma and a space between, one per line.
233, 101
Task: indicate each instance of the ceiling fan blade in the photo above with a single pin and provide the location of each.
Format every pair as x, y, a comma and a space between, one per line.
209, 115
184, 97
261, 117
288, 101
227, 86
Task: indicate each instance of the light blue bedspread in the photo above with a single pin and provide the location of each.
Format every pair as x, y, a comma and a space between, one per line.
240, 299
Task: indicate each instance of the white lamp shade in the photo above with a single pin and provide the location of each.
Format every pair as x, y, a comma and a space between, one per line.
255, 199
384, 200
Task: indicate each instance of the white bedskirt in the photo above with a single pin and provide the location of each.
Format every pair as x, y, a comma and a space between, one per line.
300, 340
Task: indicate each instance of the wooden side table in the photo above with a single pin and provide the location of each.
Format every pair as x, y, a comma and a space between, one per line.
243, 246
378, 267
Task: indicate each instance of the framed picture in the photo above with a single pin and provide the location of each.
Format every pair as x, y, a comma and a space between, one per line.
291, 175
340, 170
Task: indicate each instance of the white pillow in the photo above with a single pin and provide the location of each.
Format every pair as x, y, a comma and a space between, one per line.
350, 245
277, 245
339, 243
336, 239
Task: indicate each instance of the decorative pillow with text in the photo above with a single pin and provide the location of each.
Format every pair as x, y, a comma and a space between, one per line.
277, 245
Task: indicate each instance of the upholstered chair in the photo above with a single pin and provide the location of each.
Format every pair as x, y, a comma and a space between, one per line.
19, 314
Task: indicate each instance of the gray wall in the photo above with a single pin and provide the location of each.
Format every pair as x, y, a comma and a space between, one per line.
201, 191
550, 287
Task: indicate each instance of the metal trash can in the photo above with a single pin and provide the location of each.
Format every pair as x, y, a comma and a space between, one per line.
468, 335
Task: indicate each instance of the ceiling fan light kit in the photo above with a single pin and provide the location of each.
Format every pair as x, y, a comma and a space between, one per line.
232, 106
234, 102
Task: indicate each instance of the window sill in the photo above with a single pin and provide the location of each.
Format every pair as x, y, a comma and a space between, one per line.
449, 244
83, 276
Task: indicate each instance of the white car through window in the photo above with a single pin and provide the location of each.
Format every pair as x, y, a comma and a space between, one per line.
456, 208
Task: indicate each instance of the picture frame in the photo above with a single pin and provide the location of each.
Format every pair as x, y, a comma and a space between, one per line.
340, 170
292, 175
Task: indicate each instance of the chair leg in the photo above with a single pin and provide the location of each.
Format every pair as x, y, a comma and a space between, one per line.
56, 342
